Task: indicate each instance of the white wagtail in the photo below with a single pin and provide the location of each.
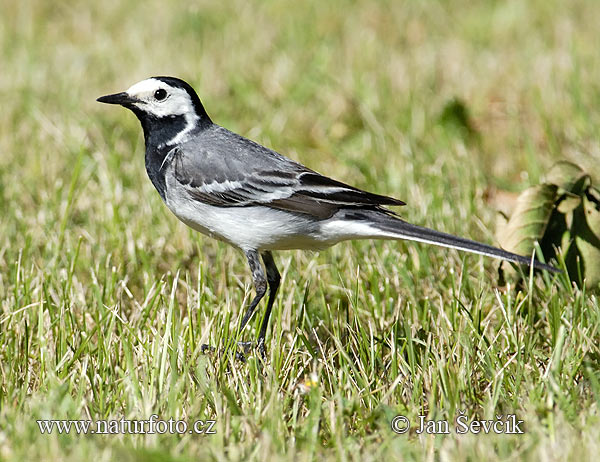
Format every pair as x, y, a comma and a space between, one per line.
235, 190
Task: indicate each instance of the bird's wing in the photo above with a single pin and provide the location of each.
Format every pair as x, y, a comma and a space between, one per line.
241, 173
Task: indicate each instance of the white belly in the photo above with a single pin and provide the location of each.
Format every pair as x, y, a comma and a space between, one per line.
259, 228
263, 228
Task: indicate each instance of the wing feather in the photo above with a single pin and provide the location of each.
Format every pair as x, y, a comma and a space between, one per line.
230, 171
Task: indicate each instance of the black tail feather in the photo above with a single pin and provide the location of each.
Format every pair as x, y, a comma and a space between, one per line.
401, 229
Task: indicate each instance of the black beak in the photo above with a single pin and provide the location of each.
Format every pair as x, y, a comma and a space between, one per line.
118, 98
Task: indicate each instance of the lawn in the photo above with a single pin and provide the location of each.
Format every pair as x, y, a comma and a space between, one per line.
106, 299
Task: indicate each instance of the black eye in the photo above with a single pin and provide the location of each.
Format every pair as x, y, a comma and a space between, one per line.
160, 94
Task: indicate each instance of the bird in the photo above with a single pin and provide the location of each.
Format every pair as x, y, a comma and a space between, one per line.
237, 191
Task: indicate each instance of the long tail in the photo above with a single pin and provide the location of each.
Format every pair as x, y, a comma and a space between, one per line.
397, 228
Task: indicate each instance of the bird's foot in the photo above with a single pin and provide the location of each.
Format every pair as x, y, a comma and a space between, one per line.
207, 349
245, 348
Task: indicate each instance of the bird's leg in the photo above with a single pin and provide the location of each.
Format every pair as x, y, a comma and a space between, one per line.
260, 284
274, 278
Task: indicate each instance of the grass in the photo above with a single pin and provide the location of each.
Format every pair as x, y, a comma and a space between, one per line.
106, 298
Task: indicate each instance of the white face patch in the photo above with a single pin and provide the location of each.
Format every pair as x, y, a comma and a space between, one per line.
177, 102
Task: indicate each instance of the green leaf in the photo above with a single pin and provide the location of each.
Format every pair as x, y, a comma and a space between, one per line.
568, 203
569, 177
529, 220
586, 229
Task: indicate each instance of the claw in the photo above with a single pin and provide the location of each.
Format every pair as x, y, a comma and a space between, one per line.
245, 346
206, 349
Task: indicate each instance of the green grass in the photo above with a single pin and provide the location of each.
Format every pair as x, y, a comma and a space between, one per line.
106, 298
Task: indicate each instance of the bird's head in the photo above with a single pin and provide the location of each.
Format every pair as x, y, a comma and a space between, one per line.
159, 101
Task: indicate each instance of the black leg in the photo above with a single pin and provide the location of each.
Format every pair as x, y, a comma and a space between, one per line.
260, 284
274, 278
